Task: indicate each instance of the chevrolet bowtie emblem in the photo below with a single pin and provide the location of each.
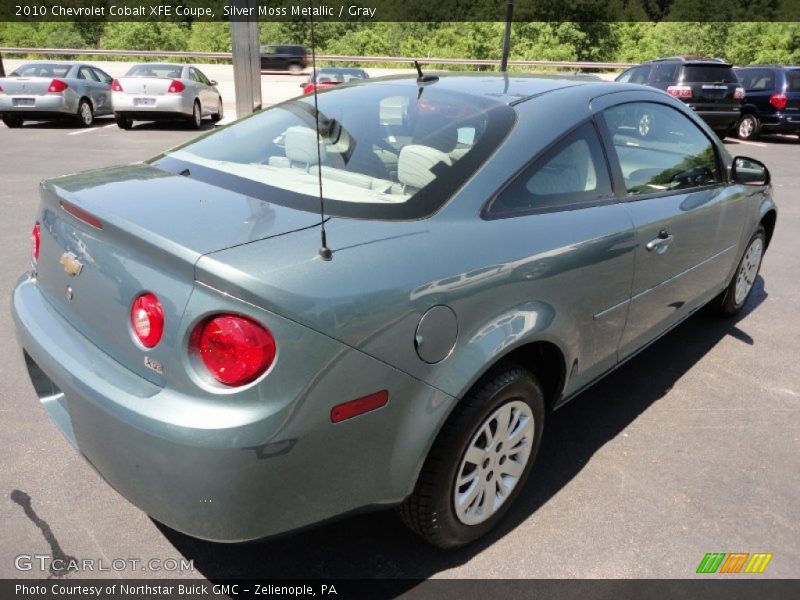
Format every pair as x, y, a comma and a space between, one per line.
72, 266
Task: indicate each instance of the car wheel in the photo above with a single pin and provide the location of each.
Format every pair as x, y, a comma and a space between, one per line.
295, 69
196, 120
85, 113
731, 301
748, 127
645, 125
123, 121
12, 122
479, 461
217, 116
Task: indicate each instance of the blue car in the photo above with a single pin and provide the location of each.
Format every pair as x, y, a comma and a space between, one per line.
772, 100
376, 302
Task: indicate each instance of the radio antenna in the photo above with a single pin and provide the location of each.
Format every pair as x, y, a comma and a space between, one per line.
324, 252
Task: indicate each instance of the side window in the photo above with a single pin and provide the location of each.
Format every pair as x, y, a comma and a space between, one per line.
102, 76
201, 78
758, 80
193, 75
659, 149
639, 74
666, 72
571, 173
625, 77
86, 73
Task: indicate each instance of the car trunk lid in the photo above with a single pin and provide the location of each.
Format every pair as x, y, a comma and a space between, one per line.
138, 229
713, 85
26, 86
150, 86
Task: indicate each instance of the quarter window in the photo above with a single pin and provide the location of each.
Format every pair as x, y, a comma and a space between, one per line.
659, 149
573, 173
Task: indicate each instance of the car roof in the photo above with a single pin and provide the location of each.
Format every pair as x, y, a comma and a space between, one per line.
69, 63
690, 60
773, 66
509, 89
170, 65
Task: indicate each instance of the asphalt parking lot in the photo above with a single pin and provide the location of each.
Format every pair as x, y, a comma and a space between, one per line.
692, 447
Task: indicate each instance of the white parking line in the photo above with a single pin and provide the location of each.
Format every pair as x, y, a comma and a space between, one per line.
90, 129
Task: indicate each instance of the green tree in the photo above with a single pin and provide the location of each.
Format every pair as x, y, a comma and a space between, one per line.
145, 36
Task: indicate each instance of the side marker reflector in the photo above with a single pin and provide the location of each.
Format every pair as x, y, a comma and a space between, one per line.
359, 406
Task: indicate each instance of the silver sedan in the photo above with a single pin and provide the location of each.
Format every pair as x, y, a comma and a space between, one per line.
46, 90
151, 92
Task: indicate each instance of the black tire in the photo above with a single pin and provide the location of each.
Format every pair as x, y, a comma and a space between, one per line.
196, 120
12, 122
85, 113
430, 510
722, 133
217, 116
726, 304
123, 121
748, 127
295, 68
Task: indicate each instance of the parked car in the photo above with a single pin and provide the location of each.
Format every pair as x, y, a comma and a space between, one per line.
496, 249
708, 86
153, 92
330, 76
771, 102
284, 57
50, 90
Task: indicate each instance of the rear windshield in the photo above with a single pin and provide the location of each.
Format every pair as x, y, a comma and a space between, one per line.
338, 75
709, 74
793, 80
167, 71
385, 151
42, 70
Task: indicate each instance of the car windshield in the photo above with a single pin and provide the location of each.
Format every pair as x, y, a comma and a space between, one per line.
166, 71
42, 70
709, 74
385, 150
793, 80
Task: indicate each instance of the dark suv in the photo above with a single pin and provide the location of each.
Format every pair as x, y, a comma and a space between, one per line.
771, 101
708, 85
284, 57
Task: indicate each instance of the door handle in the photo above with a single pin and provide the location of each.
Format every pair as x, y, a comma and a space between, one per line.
661, 243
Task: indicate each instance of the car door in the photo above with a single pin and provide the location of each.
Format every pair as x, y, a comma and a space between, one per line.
573, 246
105, 81
94, 89
200, 89
209, 95
687, 218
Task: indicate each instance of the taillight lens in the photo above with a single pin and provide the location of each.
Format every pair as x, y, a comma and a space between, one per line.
738, 94
35, 243
57, 86
116, 86
309, 88
147, 319
176, 87
680, 91
234, 349
778, 101
2, 91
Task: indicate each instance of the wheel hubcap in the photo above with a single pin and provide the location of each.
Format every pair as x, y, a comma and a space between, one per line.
746, 127
748, 271
494, 462
86, 113
644, 125
197, 114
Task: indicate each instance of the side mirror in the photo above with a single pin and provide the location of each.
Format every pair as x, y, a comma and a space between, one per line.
749, 171
213, 82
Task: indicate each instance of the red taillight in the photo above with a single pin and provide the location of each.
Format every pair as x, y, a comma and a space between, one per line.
680, 91
176, 87
738, 94
2, 91
57, 86
778, 101
309, 88
147, 319
35, 242
353, 408
234, 349
116, 86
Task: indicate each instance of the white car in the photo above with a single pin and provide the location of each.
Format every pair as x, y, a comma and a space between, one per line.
152, 92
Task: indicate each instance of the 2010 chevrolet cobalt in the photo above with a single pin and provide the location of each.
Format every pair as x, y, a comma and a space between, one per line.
494, 245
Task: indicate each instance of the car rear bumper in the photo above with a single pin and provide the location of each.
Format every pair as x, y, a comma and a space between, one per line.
719, 119
164, 106
781, 123
47, 105
234, 473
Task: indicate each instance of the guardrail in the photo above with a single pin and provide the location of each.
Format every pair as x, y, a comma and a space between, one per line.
583, 65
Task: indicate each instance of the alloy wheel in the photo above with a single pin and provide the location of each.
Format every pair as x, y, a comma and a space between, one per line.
494, 462
748, 270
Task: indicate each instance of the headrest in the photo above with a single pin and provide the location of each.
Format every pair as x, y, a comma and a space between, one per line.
301, 145
436, 131
415, 164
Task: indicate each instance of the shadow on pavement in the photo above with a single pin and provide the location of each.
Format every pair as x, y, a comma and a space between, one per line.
377, 545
